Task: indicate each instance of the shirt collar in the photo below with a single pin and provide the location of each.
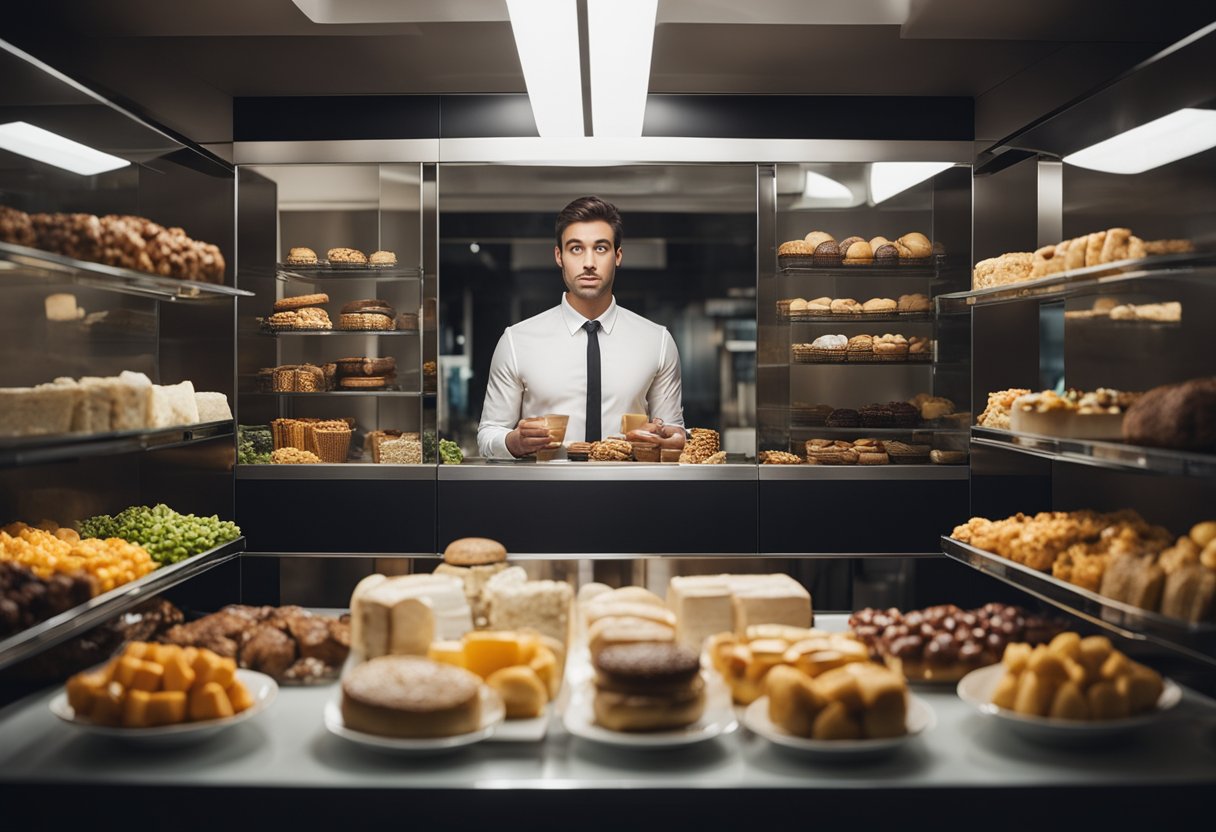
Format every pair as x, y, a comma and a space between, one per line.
574, 321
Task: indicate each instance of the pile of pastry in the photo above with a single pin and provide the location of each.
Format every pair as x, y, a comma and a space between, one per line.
306, 312
822, 248
304, 256
1108, 308
1118, 555
800, 308
864, 349
1109, 246
421, 666
309, 440
944, 643
124, 241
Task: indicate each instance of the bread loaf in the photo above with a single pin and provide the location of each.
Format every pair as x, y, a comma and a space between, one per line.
1181, 416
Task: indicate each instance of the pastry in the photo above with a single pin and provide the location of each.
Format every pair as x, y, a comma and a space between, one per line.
347, 255
474, 551
885, 253
940, 457
860, 348
409, 696
648, 687
611, 450
1162, 247
903, 414
382, 258
794, 248
300, 301
579, 451
366, 382
856, 251
844, 418
779, 458
999, 271
913, 303
301, 257
845, 306
903, 453
917, 244
366, 366
1000, 403
875, 416
371, 320
310, 318
796, 305
819, 306
879, 306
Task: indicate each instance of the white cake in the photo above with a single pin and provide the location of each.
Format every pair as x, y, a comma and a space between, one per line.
708, 604
702, 607
173, 404
212, 407
132, 401
95, 414
45, 409
542, 605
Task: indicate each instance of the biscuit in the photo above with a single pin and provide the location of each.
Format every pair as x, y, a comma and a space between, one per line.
301, 257
382, 258
300, 301
347, 255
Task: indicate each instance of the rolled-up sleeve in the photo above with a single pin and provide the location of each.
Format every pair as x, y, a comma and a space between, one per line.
504, 401
664, 400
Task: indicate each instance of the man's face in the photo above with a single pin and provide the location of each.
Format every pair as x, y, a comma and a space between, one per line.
587, 259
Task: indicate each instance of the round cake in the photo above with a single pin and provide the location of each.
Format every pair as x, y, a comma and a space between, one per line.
648, 687
412, 697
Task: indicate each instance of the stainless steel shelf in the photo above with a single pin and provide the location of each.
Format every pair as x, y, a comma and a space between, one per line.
324, 274
1079, 281
928, 269
81, 618
532, 471
16, 260
342, 471
1100, 454
864, 432
1195, 640
898, 318
35, 450
873, 473
321, 333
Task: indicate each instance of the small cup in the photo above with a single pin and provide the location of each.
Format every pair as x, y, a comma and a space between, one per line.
556, 423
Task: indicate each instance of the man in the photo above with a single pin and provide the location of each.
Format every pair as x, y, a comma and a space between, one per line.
586, 357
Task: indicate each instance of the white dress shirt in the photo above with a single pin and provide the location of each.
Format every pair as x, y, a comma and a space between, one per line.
540, 367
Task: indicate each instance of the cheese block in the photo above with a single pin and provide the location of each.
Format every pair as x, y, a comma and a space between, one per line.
173, 404
632, 421
487, 651
779, 602
541, 605
701, 608
45, 409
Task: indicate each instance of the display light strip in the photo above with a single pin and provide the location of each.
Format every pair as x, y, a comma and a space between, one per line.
622, 39
546, 37
1167, 139
890, 178
33, 142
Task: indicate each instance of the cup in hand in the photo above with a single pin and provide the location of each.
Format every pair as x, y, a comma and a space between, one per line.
556, 423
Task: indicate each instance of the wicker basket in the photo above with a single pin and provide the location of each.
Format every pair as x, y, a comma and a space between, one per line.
333, 444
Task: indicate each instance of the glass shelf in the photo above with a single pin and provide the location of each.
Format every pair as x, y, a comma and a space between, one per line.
324, 274
35, 450
1195, 640
805, 266
380, 333
1101, 454
83, 617
337, 471
322, 394
859, 318
1078, 281
864, 432
110, 278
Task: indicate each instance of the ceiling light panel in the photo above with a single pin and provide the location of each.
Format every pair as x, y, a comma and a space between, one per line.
44, 146
890, 178
621, 34
1182, 133
546, 36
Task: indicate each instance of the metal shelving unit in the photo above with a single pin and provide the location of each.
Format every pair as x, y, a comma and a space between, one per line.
1100, 454
35, 450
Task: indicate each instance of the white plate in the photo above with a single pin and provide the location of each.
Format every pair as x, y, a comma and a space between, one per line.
261, 687
523, 730
920, 719
718, 720
977, 687
492, 713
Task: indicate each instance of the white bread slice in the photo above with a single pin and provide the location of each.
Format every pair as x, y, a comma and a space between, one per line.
31, 411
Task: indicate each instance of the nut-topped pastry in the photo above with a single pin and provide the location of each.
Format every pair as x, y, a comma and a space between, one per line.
350, 256
611, 450
382, 258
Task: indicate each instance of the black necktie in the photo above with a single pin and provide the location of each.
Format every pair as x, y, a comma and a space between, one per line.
593, 434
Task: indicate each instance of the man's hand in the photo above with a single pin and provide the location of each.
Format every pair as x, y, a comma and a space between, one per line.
657, 433
529, 436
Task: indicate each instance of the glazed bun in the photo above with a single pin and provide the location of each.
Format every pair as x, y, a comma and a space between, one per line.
816, 237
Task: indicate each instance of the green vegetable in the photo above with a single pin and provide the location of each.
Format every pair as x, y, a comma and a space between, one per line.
253, 445
167, 535
450, 453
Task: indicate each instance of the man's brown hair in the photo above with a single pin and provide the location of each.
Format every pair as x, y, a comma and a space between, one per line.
590, 209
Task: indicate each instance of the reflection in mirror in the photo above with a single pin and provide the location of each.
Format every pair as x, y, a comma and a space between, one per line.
689, 265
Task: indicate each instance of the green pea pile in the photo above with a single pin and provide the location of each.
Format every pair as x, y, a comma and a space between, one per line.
167, 535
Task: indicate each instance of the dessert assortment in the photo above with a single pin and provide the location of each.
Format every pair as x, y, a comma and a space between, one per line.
944, 643
1075, 678
289, 644
1100, 247
1074, 414
308, 313
819, 248
91, 405
309, 440
340, 257
1118, 555
702, 447
863, 349
151, 685
127, 242
801, 309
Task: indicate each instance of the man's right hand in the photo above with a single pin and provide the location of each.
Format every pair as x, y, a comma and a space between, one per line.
529, 436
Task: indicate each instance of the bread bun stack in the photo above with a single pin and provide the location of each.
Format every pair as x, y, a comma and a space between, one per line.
744, 660
127, 242
823, 249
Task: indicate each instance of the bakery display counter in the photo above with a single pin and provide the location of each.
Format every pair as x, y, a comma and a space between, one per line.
525, 471
37, 450
1100, 454
337, 471
345, 394
863, 473
1082, 281
59, 268
80, 619
286, 758
328, 332
1194, 639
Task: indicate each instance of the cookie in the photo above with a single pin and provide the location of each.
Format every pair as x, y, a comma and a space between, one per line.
300, 301
301, 257
347, 255
382, 258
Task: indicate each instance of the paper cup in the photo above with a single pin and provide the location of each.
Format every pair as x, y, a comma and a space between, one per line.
556, 423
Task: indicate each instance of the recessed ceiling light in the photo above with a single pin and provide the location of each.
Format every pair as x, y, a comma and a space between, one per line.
621, 38
890, 178
546, 37
53, 149
1167, 139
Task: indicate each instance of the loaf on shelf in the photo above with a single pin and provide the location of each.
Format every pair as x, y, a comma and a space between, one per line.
1109, 246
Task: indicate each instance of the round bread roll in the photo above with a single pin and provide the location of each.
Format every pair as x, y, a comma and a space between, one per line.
828, 249
474, 551
885, 251
302, 256
858, 251
917, 244
848, 241
409, 696
815, 238
794, 248
798, 305
878, 305
639, 712
905, 253
522, 691
878, 241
